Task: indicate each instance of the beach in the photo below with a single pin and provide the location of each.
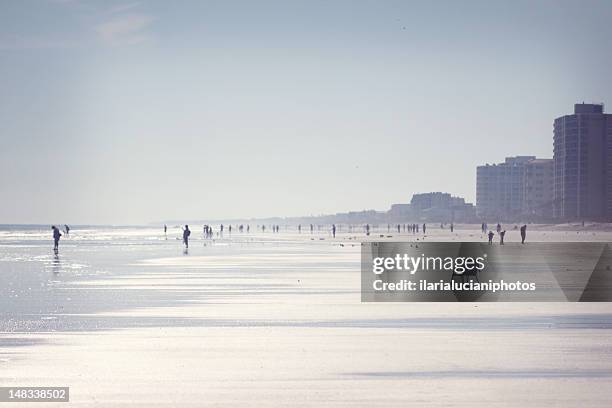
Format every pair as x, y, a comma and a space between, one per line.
124, 316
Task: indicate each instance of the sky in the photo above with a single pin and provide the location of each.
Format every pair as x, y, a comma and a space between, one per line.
128, 112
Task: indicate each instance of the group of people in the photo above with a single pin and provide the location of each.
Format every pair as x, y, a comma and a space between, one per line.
414, 228
502, 233
209, 232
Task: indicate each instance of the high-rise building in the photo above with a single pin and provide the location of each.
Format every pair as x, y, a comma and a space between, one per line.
538, 186
583, 164
499, 188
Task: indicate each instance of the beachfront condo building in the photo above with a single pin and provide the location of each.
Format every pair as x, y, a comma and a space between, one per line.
517, 189
583, 164
538, 189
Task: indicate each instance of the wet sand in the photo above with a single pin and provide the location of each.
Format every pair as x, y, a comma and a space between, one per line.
123, 316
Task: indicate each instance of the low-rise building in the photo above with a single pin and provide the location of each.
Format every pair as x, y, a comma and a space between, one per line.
433, 207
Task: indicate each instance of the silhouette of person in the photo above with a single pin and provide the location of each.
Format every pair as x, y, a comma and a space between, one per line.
523, 233
491, 235
166, 231
452, 227
67, 229
186, 234
498, 228
502, 234
424, 227
334, 230
56, 237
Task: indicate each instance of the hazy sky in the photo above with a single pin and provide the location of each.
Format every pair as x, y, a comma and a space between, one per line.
137, 111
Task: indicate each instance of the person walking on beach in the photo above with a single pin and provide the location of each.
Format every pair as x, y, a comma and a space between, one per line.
334, 230
523, 233
186, 234
452, 227
502, 234
491, 235
56, 237
166, 231
498, 228
67, 229
424, 226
